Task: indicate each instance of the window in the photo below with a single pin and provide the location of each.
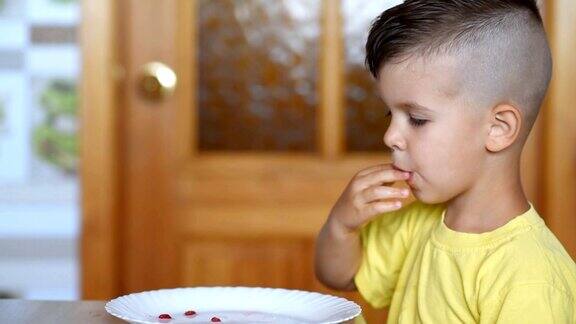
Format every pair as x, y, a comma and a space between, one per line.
39, 212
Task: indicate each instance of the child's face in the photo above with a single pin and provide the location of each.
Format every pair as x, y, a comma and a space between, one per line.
442, 144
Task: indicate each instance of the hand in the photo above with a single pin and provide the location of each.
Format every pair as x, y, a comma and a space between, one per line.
362, 199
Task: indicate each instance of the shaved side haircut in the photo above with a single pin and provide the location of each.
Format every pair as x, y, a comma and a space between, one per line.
500, 45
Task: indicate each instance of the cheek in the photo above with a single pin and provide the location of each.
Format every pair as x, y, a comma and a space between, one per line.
447, 159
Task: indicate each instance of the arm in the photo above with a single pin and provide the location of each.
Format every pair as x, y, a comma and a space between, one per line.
338, 256
338, 245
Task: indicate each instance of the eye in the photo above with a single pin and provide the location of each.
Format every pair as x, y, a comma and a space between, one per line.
417, 122
413, 121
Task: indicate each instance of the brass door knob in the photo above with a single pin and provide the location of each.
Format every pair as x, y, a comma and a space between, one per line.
157, 81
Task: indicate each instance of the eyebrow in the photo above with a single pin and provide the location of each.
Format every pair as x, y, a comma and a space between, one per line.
409, 105
413, 106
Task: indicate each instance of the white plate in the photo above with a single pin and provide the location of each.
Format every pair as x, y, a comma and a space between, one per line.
233, 305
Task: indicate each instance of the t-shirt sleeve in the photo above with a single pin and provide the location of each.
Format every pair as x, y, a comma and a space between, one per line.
531, 303
385, 242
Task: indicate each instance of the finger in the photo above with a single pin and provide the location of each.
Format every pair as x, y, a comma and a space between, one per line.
373, 168
372, 194
374, 209
383, 177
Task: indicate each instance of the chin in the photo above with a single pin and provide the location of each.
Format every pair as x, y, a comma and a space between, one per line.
427, 197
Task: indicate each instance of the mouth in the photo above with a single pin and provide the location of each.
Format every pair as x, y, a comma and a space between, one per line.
400, 169
409, 181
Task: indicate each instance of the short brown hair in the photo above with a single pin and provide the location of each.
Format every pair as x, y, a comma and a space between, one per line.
425, 26
501, 44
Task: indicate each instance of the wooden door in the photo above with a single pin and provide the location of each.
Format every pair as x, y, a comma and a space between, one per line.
243, 205
165, 205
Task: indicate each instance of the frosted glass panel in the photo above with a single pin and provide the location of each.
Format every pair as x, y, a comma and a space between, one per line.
365, 112
258, 74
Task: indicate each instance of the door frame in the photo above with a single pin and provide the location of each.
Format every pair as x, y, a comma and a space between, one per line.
100, 154
559, 134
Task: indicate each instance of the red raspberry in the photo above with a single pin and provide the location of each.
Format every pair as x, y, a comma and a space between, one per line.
215, 319
165, 316
190, 313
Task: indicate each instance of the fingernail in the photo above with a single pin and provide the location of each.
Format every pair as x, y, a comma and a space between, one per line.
405, 192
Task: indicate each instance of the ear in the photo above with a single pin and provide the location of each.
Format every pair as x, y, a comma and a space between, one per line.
504, 123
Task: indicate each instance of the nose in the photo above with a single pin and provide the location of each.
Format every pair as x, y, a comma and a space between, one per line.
393, 138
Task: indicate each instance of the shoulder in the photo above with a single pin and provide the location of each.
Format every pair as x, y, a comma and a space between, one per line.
537, 302
532, 260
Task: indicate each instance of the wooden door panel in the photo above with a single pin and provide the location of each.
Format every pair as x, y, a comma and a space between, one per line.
260, 262
257, 195
281, 219
269, 179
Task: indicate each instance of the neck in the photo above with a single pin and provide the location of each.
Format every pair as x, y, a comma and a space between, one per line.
495, 199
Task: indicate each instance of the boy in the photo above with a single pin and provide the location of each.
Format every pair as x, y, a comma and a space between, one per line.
463, 80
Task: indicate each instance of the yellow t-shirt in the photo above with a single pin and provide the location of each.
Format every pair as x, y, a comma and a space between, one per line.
428, 273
